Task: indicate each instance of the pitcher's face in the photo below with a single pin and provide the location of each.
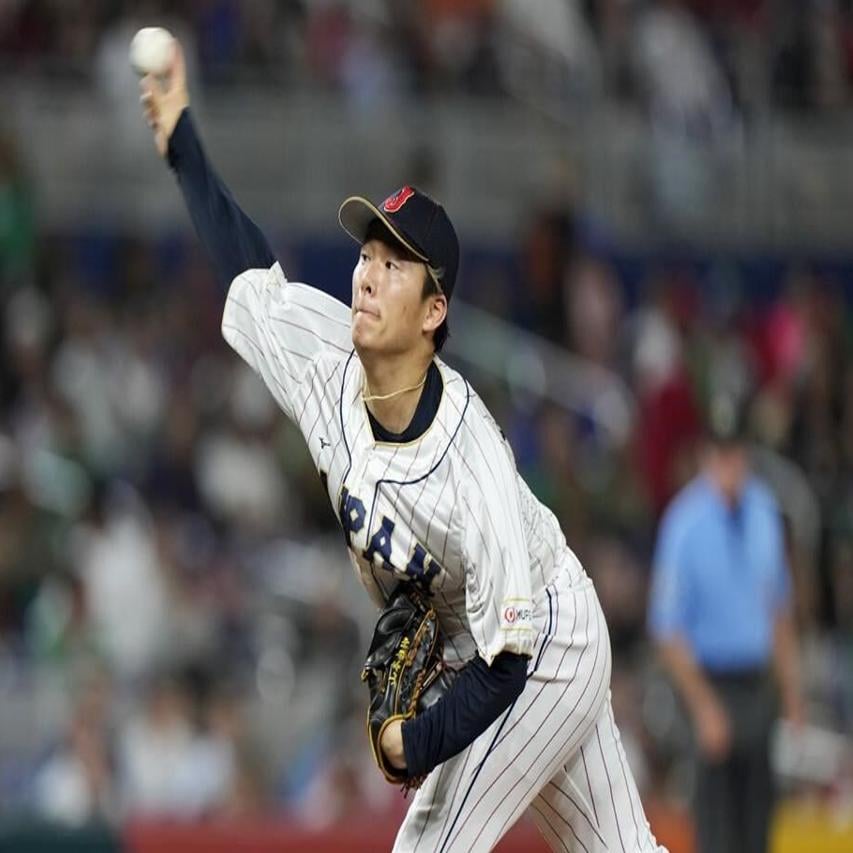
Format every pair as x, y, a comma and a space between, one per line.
389, 312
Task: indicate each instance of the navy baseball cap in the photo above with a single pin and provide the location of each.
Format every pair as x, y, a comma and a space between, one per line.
417, 221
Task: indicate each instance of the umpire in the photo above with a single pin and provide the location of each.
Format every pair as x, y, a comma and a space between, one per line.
720, 613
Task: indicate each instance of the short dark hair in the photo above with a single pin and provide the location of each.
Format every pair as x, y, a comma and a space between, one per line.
377, 230
440, 335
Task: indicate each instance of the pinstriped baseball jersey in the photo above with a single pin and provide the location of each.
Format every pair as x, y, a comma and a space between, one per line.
448, 509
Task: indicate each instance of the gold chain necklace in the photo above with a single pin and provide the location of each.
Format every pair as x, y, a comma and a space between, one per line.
368, 398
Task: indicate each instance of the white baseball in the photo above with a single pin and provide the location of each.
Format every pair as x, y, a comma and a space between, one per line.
151, 51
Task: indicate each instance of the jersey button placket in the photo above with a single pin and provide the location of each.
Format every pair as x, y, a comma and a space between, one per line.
371, 474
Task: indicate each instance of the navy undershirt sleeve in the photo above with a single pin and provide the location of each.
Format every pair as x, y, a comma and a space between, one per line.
477, 698
233, 242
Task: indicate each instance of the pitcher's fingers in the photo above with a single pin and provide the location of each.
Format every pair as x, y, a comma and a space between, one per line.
150, 107
148, 86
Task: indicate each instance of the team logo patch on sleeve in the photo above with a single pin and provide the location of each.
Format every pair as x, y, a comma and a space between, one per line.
394, 202
516, 614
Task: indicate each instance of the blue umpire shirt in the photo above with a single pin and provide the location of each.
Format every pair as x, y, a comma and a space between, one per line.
720, 575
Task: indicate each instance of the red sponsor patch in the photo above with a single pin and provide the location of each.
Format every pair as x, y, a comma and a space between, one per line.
394, 202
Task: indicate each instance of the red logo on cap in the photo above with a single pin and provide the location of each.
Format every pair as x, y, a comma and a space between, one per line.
394, 202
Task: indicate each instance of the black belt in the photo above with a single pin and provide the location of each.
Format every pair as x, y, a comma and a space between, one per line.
741, 677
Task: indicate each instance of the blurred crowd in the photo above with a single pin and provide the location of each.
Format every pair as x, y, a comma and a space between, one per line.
679, 56
180, 634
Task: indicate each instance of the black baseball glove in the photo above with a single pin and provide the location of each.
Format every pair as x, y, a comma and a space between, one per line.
404, 670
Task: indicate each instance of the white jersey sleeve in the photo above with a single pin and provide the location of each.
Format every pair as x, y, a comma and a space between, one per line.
280, 328
498, 597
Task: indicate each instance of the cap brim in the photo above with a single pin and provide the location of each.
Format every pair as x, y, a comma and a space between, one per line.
355, 215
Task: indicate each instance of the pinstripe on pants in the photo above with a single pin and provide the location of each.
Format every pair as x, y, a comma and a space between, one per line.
556, 751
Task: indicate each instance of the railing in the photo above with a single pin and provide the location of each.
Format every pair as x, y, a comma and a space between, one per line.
291, 158
531, 366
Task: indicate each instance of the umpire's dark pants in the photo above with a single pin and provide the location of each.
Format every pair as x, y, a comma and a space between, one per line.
734, 798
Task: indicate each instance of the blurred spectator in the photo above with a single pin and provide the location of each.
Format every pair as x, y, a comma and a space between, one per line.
547, 252
551, 468
458, 45
351, 50
17, 236
668, 420
810, 67
372, 74
82, 375
228, 756
722, 617
744, 34
612, 23
157, 758
236, 467
690, 107
272, 36
77, 785
546, 53
594, 309
679, 75
841, 650
27, 556
58, 631
170, 476
792, 75
125, 588
621, 582
185, 753
826, 32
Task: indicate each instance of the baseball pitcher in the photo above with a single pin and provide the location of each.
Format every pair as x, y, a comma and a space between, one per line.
427, 493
